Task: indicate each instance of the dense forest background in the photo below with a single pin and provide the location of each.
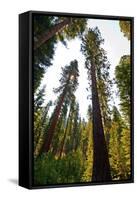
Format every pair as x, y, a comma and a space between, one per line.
69, 148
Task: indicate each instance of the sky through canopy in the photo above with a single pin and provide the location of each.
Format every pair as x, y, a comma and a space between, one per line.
114, 44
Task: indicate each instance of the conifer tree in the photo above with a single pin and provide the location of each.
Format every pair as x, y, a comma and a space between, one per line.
91, 48
123, 80
69, 83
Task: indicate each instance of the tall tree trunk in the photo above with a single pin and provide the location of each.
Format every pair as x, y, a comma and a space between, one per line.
53, 124
49, 34
54, 119
101, 166
63, 141
59, 128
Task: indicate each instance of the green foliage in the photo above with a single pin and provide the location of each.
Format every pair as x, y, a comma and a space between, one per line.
119, 148
69, 79
123, 80
97, 67
70, 156
44, 55
39, 98
88, 157
90, 113
38, 114
96, 56
50, 170
91, 49
41, 121
38, 75
126, 152
76, 28
125, 27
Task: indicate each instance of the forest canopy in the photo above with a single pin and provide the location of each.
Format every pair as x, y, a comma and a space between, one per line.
82, 100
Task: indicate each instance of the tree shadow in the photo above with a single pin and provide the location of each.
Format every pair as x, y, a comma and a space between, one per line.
14, 181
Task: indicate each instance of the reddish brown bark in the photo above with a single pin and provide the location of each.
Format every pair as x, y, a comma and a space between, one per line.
101, 166
49, 34
50, 132
53, 124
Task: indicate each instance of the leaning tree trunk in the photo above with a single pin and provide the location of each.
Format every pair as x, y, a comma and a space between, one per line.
54, 120
101, 166
49, 34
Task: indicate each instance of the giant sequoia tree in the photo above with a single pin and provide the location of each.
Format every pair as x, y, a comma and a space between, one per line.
69, 83
68, 146
91, 48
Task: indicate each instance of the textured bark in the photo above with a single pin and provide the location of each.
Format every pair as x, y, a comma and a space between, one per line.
50, 132
49, 34
60, 126
101, 166
53, 124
